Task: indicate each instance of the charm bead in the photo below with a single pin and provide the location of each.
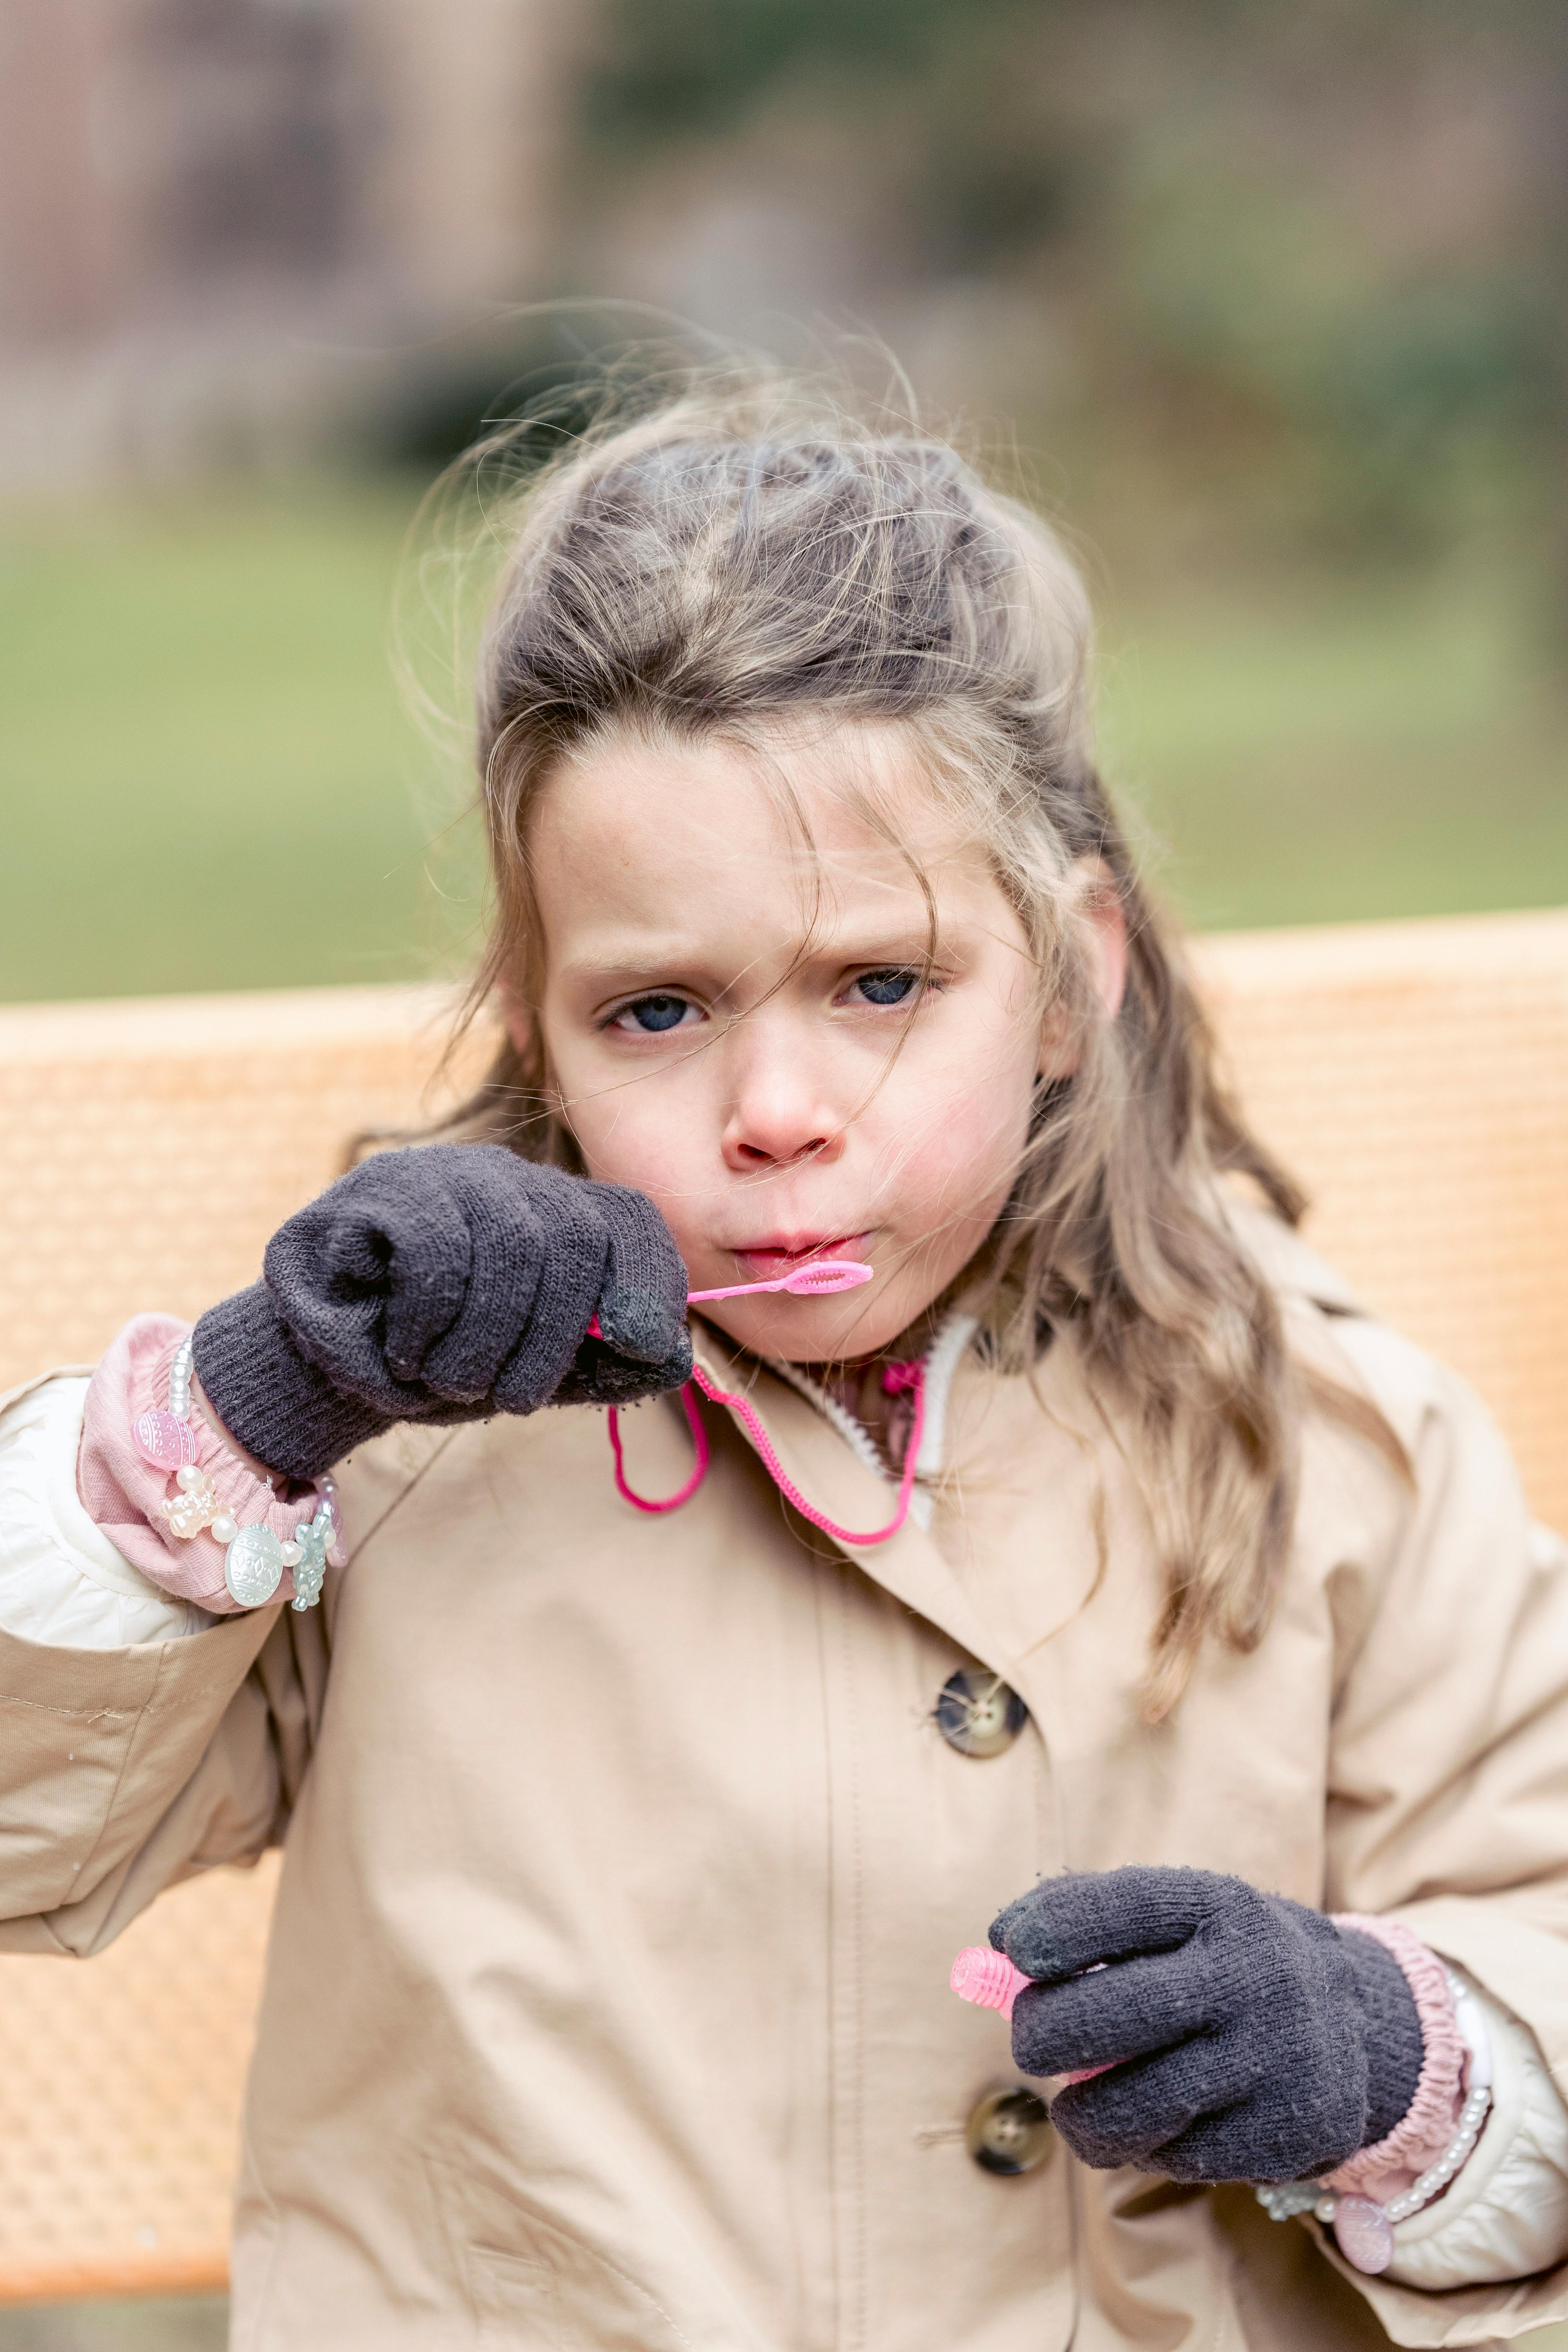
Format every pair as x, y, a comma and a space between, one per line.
161, 1440
312, 1540
1364, 2234
196, 1506
253, 1566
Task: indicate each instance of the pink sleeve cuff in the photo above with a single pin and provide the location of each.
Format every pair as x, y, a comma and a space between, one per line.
1425, 2129
121, 1491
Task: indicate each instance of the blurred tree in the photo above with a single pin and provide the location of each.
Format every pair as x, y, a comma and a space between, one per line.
673, 66
1309, 265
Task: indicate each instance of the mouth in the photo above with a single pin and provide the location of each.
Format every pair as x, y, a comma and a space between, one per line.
781, 1253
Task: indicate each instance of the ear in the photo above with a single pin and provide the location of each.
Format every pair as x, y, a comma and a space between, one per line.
519, 1019
1105, 941
1097, 909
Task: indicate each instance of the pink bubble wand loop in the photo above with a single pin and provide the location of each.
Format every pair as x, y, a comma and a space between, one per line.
817, 1280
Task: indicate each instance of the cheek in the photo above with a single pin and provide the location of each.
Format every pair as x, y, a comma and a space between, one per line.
626, 1142
644, 1135
958, 1128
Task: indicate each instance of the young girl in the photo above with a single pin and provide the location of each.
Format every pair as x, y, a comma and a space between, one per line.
1097, 1568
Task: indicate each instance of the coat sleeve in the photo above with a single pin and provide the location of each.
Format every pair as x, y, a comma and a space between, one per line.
1506, 2215
62, 1581
1449, 1765
139, 1741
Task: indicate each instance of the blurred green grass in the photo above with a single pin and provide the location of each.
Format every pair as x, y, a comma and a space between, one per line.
208, 781
1337, 752
159, 2323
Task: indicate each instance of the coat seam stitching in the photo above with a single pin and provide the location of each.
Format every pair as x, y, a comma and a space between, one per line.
357, 1544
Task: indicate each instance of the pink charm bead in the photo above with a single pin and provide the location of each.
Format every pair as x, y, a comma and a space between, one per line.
988, 1979
1363, 2233
167, 1444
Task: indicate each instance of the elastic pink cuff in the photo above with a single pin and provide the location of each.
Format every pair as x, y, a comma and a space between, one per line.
121, 1491
1424, 2129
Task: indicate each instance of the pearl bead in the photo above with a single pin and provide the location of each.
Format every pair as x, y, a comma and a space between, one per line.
226, 1529
292, 1555
187, 1477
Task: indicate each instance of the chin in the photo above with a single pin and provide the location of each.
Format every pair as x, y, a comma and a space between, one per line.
802, 1334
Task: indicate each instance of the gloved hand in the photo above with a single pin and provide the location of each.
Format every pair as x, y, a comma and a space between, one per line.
444, 1283
1257, 2041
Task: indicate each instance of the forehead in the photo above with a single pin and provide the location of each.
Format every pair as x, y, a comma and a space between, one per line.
833, 827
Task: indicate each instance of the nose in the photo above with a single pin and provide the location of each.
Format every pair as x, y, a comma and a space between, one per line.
779, 1112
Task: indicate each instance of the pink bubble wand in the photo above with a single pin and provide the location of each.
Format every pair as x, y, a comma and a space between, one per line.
990, 1980
817, 1280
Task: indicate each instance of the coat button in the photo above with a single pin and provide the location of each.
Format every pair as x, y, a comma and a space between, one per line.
978, 1712
1009, 2132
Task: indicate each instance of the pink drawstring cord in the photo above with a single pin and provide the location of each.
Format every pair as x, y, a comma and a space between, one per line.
912, 1378
698, 1439
815, 1278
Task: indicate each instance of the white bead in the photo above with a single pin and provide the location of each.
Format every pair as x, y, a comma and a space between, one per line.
253, 1566
188, 1475
1325, 2209
226, 1529
292, 1555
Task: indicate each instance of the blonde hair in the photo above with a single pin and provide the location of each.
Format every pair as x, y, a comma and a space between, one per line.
740, 558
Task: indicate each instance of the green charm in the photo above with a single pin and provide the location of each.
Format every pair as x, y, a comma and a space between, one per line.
314, 1539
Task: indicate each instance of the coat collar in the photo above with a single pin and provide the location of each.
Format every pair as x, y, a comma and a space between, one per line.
981, 1572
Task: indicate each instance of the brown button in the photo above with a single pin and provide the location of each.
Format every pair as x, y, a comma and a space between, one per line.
1009, 2131
978, 1712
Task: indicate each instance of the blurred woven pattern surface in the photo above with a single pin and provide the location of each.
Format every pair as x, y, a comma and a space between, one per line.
1415, 1077
119, 2090
149, 1148
1414, 1074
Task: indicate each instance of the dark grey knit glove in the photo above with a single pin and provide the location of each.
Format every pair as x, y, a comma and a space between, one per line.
1258, 2041
444, 1283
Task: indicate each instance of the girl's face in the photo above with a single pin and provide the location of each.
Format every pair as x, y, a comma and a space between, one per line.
738, 1022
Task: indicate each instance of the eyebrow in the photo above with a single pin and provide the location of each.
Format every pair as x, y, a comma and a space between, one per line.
623, 959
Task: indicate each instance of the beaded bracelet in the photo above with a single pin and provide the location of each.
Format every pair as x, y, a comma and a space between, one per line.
1364, 2228
254, 1558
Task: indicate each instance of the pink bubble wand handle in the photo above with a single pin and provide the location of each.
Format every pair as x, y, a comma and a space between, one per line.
990, 1980
818, 1280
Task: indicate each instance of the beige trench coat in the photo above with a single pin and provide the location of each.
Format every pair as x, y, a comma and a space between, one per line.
607, 2004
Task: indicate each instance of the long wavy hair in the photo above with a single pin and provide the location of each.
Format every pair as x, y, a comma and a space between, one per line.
748, 558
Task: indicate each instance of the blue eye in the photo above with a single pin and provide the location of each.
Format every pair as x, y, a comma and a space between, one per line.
891, 987
652, 1014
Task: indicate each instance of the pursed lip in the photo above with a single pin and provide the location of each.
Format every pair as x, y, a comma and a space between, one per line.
782, 1252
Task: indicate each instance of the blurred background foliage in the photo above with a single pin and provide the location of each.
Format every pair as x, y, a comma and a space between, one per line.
1268, 308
